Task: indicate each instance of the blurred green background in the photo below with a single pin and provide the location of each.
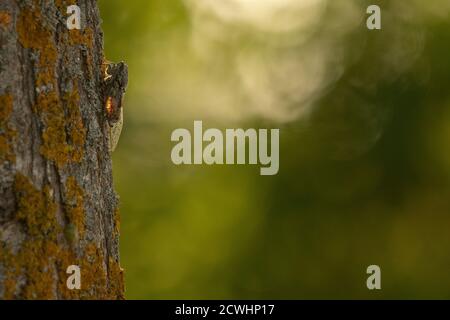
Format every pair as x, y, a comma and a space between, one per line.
364, 153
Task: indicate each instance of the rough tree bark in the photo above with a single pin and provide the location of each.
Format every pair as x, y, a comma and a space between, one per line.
57, 203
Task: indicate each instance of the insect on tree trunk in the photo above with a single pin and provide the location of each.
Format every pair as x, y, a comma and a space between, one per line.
58, 207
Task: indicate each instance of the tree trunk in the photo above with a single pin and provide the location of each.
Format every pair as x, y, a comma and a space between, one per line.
57, 203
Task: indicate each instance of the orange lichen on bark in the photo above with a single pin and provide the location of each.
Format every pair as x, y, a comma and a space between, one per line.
85, 36
30, 270
35, 208
59, 145
54, 138
5, 19
98, 280
116, 280
75, 205
7, 134
10, 278
37, 270
34, 35
6, 107
95, 273
107, 281
77, 132
37, 259
65, 258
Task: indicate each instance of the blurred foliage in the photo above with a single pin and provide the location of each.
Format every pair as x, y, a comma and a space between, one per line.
365, 160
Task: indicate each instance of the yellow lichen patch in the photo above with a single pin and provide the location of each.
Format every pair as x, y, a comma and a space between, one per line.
37, 257
54, 146
5, 19
65, 259
6, 107
63, 137
98, 281
85, 36
77, 132
34, 35
115, 277
35, 208
10, 276
34, 261
75, 205
55, 137
6, 148
94, 273
41, 262
7, 135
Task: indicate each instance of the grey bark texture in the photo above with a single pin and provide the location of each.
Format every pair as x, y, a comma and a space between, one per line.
57, 203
